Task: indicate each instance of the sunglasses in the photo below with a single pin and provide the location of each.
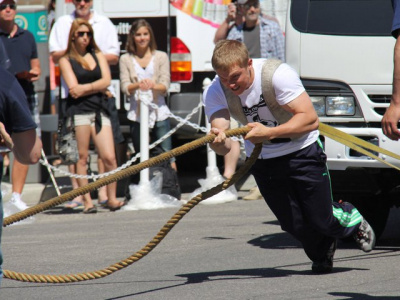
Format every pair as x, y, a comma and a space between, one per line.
82, 33
86, 1
11, 6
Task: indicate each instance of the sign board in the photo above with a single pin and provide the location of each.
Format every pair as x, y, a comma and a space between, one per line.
34, 20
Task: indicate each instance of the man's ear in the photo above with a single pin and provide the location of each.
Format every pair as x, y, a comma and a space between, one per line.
250, 63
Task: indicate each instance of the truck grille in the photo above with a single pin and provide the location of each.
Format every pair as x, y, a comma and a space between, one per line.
380, 99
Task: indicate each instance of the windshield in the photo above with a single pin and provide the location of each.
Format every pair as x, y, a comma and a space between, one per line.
343, 17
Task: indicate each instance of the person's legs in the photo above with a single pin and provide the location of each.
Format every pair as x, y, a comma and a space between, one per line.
18, 177
160, 129
20, 171
312, 179
118, 138
78, 201
105, 144
82, 134
273, 179
297, 189
135, 137
337, 220
102, 192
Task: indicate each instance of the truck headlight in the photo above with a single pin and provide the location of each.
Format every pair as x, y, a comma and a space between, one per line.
319, 105
340, 106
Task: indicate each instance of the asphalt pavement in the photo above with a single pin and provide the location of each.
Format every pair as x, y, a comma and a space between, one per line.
234, 250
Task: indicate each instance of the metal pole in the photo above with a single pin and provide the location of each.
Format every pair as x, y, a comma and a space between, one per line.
144, 140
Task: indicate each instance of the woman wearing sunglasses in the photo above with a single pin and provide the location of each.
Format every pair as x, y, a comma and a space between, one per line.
87, 75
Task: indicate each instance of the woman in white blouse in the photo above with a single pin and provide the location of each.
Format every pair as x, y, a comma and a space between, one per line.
144, 72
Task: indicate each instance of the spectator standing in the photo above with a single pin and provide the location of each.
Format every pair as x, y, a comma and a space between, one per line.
87, 75
17, 129
263, 37
235, 18
106, 38
25, 65
291, 170
145, 69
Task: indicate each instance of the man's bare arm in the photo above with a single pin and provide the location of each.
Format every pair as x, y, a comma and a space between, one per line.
27, 146
392, 115
220, 121
304, 120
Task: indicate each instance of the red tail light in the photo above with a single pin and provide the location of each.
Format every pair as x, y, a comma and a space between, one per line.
57, 75
181, 61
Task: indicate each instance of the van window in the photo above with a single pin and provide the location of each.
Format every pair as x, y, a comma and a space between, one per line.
343, 17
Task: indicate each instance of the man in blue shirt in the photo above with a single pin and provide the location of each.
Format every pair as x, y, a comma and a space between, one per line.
4, 60
17, 129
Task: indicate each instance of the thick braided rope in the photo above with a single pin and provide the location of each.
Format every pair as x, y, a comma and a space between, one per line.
150, 246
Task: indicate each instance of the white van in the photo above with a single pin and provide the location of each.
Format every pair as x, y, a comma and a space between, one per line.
343, 52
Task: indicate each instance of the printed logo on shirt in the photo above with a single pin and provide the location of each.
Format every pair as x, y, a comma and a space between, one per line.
253, 113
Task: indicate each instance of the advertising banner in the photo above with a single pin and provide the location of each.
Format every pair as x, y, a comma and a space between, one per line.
35, 22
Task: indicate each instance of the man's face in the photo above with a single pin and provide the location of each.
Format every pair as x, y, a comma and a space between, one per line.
8, 10
237, 79
82, 7
250, 10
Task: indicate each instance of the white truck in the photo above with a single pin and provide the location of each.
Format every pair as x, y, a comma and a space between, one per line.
343, 52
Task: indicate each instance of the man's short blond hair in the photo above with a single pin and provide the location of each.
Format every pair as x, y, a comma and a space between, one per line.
228, 53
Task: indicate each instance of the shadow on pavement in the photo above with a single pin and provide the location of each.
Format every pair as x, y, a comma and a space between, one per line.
248, 273
280, 240
357, 296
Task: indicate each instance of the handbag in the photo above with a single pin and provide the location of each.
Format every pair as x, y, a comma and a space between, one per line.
67, 146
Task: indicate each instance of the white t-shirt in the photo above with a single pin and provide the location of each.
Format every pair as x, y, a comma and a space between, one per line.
287, 87
105, 35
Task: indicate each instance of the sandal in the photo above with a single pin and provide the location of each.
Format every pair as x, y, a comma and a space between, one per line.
114, 208
91, 210
102, 203
73, 204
